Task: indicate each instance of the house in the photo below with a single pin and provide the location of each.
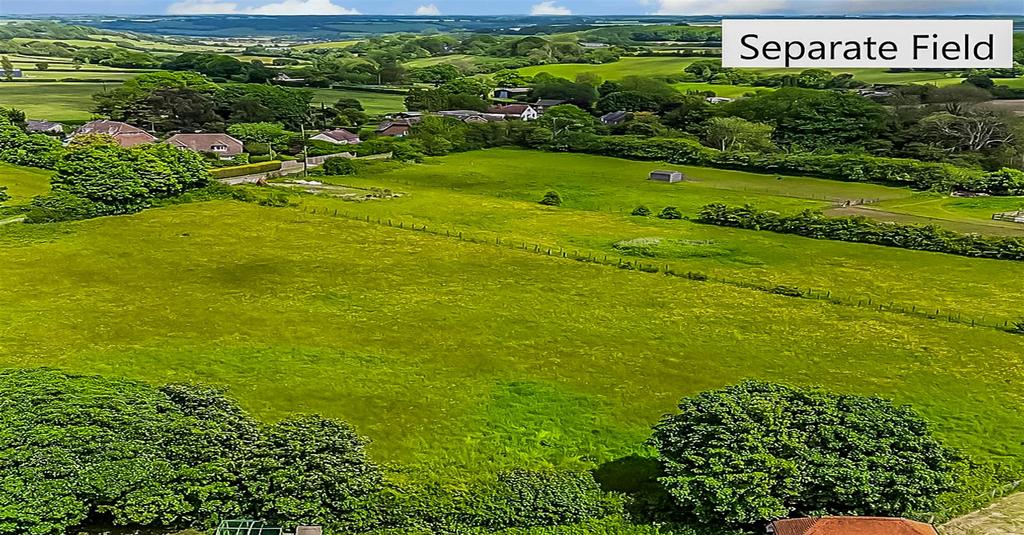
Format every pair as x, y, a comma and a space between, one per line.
396, 128
666, 176
15, 73
125, 134
718, 100
615, 117
43, 127
471, 116
546, 103
338, 136
285, 79
511, 92
222, 145
586, 44
523, 112
849, 525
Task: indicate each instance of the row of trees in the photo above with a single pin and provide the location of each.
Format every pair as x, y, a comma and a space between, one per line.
86, 449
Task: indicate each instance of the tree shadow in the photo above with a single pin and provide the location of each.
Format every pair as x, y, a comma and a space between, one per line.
637, 478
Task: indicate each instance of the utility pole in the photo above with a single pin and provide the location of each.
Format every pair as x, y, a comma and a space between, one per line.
305, 153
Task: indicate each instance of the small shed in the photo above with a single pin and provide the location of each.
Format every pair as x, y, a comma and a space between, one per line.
667, 176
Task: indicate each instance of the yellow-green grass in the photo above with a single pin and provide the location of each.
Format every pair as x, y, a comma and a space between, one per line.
115, 75
158, 45
493, 194
968, 209
452, 355
80, 43
327, 44
23, 183
56, 101
650, 66
374, 103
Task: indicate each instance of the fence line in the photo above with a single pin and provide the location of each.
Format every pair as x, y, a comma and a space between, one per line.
659, 267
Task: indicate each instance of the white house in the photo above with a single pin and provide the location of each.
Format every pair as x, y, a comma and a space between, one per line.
523, 112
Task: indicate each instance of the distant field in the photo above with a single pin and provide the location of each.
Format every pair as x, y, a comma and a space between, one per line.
51, 101
653, 66
23, 183
374, 103
81, 43
722, 90
327, 44
84, 74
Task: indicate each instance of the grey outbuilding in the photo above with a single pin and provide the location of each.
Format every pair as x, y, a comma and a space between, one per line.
667, 176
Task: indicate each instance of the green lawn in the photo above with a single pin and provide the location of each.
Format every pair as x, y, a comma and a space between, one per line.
374, 103
23, 183
68, 101
327, 44
458, 356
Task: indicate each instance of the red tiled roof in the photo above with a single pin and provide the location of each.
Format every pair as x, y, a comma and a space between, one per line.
851, 525
509, 109
125, 134
206, 142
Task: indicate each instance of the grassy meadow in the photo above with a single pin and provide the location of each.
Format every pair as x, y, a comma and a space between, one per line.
648, 66
23, 183
373, 102
53, 101
458, 356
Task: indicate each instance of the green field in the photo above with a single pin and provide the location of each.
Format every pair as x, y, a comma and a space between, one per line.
327, 44
23, 183
68, 101
653, 66
374, 103
459, 357
729, 91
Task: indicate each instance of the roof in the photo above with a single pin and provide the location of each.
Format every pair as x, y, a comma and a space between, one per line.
614, 117
340, 134
665, 172
510, 109
514, 89
203, 142
850, 525
550, 102
35, 126
400, 123
126, 134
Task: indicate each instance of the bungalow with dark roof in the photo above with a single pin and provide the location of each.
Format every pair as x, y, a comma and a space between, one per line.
849, 525
339, 136
545, 103
223, 145
523, 112
125, 134
396, 128
615, 117
511, 92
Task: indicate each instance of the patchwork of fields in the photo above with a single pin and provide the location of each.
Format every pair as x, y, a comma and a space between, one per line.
472, 357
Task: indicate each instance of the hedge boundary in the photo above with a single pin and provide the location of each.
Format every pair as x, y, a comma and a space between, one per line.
248, 169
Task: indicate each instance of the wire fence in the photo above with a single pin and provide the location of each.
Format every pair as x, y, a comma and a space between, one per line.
662, 268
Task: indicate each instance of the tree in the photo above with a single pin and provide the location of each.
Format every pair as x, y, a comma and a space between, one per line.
626, 101
128, 102
42, 66
641, 211
266, 133
314, 470
756, 451
8, 67
689, 115
973, 129
77, 63
670, 212
551, 198
733, 133
4, 196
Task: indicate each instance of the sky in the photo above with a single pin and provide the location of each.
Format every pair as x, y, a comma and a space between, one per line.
513, 7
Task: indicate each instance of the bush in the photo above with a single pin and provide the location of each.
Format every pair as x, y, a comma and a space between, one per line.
756, 451
670, 212
641, 210
340, 166
551, 198
60, 206
788, 291
863, 230
260, 159
242, 170
524, 498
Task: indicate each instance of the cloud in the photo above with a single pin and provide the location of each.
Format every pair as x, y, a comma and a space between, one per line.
428, 9
284, 7
833, 7
549, 8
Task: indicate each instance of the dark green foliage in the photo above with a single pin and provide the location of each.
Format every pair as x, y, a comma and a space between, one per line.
670, 212
340, 166
756, 451
59, 206
314, 470
551, 198
641, 210
524, 498
788, 291
127, 180
863, 230
19, 148
4, 196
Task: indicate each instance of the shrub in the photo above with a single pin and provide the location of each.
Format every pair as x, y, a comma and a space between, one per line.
645, 247
551, 198
340, 166
788, 291
260, 159
863, 230
670, 212
756, 451
59, 206
525, 498
242, 170
641, 210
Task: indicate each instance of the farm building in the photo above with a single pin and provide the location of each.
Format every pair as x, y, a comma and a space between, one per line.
338, 136
615, 117
222, 145
397, 128
546, 103
667, 176
849, 525
125, 134
15, 73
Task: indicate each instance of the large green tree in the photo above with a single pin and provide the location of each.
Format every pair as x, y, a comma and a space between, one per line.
756, 451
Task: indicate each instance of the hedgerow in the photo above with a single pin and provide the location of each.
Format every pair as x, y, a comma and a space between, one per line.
860, 229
